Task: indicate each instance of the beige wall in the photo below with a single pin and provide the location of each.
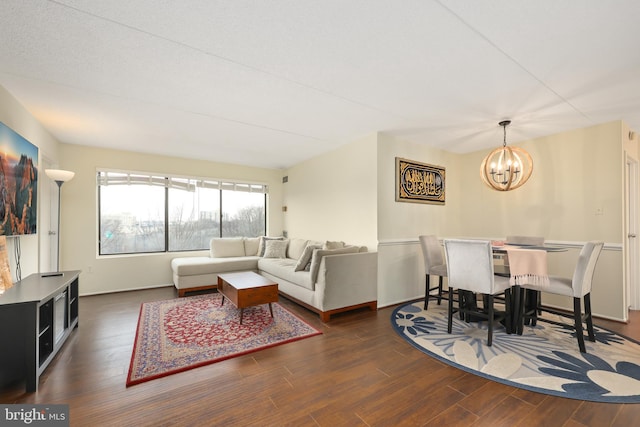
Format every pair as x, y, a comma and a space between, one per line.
349, 194
333, 196
576, 194
400, 262
568, 201
397, 220
79, 214
15, 116
575, 174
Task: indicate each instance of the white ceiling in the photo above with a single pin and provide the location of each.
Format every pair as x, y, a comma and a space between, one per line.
271, 83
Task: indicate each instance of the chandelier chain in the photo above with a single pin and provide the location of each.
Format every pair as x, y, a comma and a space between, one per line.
504, 128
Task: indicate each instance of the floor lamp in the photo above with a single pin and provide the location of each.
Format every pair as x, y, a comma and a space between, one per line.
60, 177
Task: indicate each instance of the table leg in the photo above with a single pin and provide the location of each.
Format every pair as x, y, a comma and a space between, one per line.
531, 305
470, 304
270, 310
517, 309
241, 313
528, 308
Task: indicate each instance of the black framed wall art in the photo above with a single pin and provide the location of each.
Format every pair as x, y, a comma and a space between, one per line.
419, 182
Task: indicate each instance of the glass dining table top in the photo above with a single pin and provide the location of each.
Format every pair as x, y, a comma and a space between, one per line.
503, 270
503, 248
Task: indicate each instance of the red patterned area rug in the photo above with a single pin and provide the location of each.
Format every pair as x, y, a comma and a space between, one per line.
185, 333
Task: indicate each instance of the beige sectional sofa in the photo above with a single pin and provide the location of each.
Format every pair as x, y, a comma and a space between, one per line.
325, 277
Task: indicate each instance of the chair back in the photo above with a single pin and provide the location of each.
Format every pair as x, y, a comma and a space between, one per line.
431, 251
470, 265
526, 240
586, 266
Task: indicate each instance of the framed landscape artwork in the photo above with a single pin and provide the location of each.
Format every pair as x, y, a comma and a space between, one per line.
18, 184
419, 182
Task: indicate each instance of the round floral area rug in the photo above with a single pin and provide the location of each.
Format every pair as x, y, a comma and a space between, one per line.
545, 358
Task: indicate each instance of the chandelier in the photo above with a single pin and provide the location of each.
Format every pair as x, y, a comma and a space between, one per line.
506, 168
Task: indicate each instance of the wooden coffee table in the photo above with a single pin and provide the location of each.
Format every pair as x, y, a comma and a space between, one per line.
246, 289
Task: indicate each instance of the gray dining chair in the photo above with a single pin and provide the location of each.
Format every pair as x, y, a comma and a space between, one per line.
578, 287
470, 269
434, 265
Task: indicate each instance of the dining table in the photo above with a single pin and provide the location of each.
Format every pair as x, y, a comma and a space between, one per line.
527, 301
521, 302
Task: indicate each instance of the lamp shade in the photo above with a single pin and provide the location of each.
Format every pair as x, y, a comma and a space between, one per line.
59, 175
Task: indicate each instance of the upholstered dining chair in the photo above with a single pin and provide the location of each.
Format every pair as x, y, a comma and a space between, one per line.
578, 287
470, 268
433, 266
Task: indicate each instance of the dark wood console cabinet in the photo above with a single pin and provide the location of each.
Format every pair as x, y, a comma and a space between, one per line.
37, 315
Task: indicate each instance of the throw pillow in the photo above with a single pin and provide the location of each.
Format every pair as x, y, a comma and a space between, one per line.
227, 247
305, 258
333, 245
251, 246
296, 247
263, 240
275, 249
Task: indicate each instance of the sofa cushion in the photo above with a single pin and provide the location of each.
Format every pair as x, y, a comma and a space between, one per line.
275, 248
251, 246
318, 254
227, 247
283, 269
305, 258
263, 239
296, 248
192, 266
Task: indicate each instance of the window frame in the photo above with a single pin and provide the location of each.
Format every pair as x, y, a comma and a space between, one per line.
126, 177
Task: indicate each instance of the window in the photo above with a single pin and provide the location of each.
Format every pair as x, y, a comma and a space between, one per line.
242, 214
131, 219
141, 213
194, 218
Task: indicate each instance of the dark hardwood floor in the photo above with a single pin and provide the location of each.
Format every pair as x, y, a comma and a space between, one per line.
358, 373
